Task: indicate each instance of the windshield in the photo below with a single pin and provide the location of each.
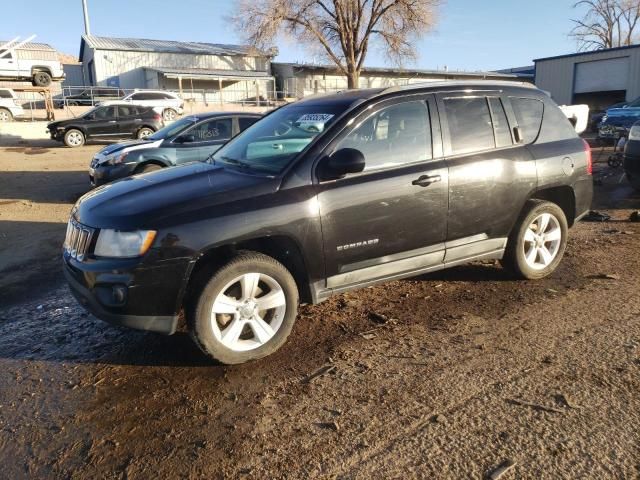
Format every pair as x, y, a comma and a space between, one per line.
634, 104
173, 129
271, 143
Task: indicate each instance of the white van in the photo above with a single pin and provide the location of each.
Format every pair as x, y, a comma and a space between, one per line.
37, 62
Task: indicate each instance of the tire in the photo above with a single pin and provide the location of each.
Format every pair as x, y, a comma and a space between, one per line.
169, 115
5, 116
144, 132
74, 138
524, 256
240, 331
149, 167
41, 79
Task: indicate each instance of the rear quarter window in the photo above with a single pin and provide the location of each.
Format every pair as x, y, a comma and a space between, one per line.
528, 113
5, 94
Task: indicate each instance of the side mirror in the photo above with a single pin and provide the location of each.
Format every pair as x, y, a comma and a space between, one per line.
344, 161
186, 138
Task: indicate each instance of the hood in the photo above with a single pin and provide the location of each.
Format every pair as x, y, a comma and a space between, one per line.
623, 112
168, 196
128, 146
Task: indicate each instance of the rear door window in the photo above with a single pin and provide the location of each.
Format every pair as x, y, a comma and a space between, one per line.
528, 112
500, 124
469, 122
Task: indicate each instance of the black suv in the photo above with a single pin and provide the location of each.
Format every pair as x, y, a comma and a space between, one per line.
192, 138
112, 121
326, 195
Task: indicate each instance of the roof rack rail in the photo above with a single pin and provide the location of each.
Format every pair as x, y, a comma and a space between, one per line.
458, 83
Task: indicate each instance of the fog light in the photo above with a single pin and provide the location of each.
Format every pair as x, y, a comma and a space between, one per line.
119, 294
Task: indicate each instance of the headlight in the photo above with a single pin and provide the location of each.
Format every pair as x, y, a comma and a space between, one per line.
634, 133
117, 159
114, 243
604, 119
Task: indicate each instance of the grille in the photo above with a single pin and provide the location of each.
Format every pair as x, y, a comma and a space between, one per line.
78, 239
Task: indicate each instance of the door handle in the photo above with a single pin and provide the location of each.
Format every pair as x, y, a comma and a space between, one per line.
426, 180
112, 121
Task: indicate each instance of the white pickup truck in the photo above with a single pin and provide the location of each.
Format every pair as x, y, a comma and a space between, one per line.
37, 62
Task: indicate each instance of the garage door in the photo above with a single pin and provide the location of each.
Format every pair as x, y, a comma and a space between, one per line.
602, 75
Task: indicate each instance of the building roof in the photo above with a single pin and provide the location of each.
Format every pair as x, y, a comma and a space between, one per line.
590, 52
168, 46
31, 45
206, 74
406, 72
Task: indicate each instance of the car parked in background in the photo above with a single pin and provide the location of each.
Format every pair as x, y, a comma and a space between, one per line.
631, 158
189, 139
10, 105
118, 120
326, 195
169, 103
617, 121
90, 96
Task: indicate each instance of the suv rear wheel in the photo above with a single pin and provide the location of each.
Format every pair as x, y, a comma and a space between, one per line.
41, 79
5, 115
74, 138
144, 132
169, 115
246, 311
538, 241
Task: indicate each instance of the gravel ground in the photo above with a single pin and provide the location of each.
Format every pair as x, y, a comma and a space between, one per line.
444, 376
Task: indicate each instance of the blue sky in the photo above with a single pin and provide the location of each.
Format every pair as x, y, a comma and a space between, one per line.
471, 34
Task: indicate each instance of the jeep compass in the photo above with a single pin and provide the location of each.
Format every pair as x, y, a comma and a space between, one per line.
330, 194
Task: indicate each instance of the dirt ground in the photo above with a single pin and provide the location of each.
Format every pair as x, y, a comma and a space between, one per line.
444, 376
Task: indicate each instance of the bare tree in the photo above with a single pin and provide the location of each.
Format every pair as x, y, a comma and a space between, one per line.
343, 29
606, 24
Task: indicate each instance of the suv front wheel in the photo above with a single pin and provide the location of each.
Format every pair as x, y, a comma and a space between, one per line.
538, 241
246, 310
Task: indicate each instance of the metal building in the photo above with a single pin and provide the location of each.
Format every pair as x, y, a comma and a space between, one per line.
234, 72
599, 78
299, 79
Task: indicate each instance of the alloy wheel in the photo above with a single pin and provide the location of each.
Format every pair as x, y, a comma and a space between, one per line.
75, 139
542, 241
248, 312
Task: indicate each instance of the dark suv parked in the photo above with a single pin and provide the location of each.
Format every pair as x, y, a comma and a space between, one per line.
113, 121
190, 139
632, 157
326, 195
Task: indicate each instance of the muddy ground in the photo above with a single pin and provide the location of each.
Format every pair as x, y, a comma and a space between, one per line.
444, 376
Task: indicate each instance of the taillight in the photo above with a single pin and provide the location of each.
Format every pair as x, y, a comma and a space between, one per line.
587, 151
157, 116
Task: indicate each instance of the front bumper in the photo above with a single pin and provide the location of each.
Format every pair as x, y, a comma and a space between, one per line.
102, 174
128, 293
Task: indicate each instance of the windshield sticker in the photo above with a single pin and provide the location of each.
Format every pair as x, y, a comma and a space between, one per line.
313, 122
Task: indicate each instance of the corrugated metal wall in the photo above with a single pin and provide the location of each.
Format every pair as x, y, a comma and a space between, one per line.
74, 75
556, 75
127, 67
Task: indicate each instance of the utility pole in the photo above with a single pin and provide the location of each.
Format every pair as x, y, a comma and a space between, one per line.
87, 28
